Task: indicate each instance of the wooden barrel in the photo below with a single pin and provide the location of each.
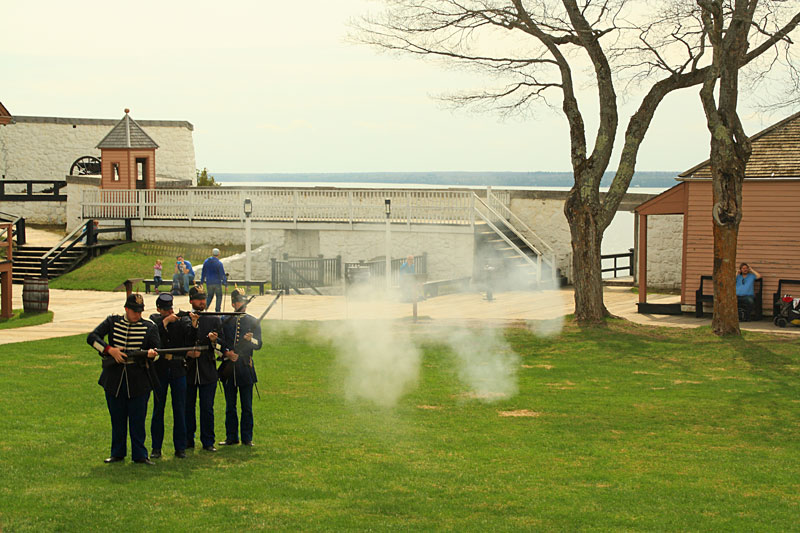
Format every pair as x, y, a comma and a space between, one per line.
35, 295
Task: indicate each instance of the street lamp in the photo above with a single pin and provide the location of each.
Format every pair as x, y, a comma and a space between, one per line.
248, 210
388, 208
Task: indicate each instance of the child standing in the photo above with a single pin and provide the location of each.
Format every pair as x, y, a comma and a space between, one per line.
157, 273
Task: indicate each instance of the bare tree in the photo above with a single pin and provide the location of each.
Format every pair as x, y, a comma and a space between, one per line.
556, 42
727, 25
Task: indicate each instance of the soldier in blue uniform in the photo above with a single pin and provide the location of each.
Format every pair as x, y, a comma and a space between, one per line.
201, 370
127, 381
171, 372
237, 372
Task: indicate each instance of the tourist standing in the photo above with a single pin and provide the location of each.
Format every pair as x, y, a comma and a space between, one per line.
238, 374
126, 380
157, 271
169, 368
214, 277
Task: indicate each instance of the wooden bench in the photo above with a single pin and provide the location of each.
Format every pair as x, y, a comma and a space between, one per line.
701, 297
778, 294
150, 284
430, 289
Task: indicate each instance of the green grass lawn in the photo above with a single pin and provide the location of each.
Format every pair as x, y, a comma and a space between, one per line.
20, 319
629, 428
134, 260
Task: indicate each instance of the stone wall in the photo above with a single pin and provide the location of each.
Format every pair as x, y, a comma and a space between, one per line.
449, 252
664, 251
38, 212
450, 248
44, 148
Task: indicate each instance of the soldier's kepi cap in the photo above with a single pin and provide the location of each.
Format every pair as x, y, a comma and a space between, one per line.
135, 302
197, 293
164, 301
237, 295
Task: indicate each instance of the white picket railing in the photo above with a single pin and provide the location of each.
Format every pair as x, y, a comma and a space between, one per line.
283, 205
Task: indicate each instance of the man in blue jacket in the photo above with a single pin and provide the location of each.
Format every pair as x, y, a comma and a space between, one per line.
214, 277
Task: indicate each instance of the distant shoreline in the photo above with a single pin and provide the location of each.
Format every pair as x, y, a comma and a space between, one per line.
535, 180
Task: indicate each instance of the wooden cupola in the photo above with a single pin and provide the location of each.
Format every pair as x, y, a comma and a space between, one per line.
128, 157
5, 116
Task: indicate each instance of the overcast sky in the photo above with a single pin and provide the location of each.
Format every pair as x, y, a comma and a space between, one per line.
273, 86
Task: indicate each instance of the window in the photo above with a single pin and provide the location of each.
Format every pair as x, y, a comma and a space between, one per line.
115, 168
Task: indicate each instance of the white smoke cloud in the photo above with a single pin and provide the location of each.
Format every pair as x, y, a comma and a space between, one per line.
486, 362
379, 359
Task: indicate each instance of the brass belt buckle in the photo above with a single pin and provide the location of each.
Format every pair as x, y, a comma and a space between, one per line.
168, 357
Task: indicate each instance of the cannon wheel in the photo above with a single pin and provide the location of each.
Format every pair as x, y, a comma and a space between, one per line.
85, 165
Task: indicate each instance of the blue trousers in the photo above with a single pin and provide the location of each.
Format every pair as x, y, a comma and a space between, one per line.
231, 418
177, 386
127, 413
207, 393
182, 281
214, 290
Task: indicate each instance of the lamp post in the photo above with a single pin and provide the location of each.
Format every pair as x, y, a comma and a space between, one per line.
388, 207
248, 210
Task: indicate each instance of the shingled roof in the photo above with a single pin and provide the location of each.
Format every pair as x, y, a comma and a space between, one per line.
5, 116
776, 153
127, 134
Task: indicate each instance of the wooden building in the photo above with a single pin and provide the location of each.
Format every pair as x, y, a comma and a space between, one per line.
769, 234
5, 116
128, 157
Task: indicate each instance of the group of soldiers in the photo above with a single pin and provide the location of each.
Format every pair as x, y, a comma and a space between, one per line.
177, 352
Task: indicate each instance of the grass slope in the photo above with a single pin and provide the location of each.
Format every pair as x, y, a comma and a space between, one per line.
133, 260
629, 428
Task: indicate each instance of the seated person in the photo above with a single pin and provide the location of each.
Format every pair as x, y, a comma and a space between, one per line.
183, 276
745, 291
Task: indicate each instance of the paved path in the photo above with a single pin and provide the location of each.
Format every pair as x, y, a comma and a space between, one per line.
78, 312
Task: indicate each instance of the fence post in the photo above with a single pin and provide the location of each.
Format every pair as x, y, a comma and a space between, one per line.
20, 231
140, 193
338, 267
274, 274
408, 209
129, 230
296, 207
630, 260
191, 205
350, 208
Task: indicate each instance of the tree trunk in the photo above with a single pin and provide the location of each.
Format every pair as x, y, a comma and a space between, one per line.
728, 175
727, 170
586, 269
726, 314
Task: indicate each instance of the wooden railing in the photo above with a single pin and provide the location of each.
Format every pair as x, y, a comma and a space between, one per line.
19, 226
32, 190
282, 205
377, 267
309, 272
628, 269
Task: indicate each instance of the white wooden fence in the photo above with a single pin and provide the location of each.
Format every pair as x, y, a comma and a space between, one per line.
284, 205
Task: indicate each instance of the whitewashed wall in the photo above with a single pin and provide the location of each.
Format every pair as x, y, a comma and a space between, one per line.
664, 251
37, 212
46, 149
544, 214
450, 248
449, 253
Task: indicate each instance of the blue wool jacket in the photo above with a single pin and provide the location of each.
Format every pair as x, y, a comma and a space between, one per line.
213, 272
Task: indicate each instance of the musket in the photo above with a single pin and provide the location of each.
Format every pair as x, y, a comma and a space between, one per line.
269, 307
174, 351
208, 313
